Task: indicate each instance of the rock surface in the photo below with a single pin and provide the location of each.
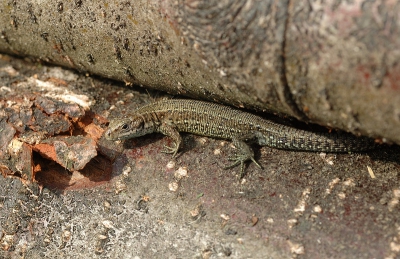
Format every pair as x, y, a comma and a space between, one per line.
335, 64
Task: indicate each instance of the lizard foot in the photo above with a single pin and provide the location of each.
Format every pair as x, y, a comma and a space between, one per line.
240, 159
244, 154
171, 150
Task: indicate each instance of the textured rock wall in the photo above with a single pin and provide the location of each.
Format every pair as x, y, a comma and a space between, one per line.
335, 64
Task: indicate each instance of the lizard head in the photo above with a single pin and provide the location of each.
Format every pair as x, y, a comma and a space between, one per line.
125, 128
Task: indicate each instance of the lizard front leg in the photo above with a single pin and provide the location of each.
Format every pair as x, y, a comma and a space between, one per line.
171, 132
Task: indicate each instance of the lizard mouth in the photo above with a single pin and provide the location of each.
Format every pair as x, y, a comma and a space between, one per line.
109, 136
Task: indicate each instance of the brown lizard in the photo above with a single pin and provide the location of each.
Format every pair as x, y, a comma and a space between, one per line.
170, 117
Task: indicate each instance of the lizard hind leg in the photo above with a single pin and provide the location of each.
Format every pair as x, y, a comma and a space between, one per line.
243, 154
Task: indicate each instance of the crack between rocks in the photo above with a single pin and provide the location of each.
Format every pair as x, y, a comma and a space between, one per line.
286, 94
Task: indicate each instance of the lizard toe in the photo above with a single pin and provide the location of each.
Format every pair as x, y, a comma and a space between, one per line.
170, 150
241, 159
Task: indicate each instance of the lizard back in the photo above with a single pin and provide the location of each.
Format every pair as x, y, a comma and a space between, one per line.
214, 120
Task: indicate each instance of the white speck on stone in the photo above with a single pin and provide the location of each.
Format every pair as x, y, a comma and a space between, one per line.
331, 185
341, 195
108, 224
120, 186
126, 170
301, 206
296, 248
180, 173
5, 88
395, 200
102, 237
202, 141
349, 182
371, 173
317, 209
292, 222
173, 187
171, 165
225, 216
9, 70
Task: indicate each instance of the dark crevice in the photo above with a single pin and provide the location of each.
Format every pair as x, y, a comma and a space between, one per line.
286, 94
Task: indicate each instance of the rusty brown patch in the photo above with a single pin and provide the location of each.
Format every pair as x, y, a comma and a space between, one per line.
97, 172
52, 142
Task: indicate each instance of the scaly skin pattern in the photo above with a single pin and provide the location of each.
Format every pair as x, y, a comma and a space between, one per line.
170, 117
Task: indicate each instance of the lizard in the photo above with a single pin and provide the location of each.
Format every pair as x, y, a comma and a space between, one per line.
172, 116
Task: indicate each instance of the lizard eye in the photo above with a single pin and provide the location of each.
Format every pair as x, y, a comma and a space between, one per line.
125, 126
